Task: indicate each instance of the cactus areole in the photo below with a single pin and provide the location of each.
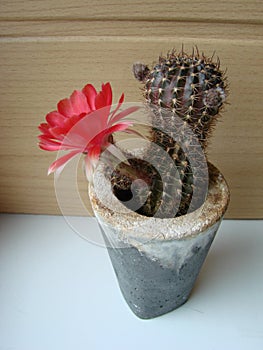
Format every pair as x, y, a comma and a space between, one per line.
184, 95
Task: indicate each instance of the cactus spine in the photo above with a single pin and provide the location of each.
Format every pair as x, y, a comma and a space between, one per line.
185, 93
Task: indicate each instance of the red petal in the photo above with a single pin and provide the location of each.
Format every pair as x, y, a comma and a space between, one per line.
100, 139
47, 144
90, 92
44, 128
91, 161
121, 99
119, 127
88, 127
65, 107
118, 106
108, 92
94, 152
54, 145
75, 105
61, 162
123, 114
57, 133
55, 119
104, 97
79, 103
48, 148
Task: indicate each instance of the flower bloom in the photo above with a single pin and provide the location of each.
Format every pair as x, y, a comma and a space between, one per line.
83, 123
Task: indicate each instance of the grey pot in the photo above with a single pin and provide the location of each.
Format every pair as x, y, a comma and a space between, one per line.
157, 261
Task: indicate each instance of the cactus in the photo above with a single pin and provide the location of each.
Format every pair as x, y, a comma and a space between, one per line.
185, 94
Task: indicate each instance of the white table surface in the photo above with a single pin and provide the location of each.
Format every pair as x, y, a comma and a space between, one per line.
59, 292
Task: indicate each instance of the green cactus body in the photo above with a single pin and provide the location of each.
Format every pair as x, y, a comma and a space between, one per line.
184, 94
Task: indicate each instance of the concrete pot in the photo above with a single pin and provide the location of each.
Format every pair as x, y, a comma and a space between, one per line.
157, 261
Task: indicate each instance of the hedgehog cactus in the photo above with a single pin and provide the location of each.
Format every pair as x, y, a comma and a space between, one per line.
191, 87
184, 92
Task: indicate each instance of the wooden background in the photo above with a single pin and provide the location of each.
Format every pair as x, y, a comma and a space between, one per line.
49, 48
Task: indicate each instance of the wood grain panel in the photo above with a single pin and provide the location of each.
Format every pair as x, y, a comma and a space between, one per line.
50, 48
248, 11
149, 30
36, 73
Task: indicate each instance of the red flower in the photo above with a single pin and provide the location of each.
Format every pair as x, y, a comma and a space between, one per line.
83, 123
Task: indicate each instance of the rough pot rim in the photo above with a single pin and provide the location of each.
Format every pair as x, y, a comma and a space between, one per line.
141, 228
